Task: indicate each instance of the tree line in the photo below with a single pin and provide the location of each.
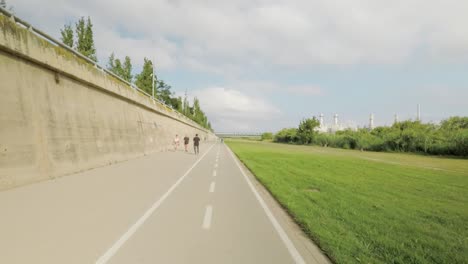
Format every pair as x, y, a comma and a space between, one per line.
79, 36
449, 137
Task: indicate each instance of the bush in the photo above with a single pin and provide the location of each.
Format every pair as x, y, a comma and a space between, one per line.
286, 135
307, 130
267, 136
449, 138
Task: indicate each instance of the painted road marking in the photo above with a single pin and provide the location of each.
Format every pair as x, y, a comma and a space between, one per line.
118, 244
212, 187
216, 165
214, 173
207, 217
284, 237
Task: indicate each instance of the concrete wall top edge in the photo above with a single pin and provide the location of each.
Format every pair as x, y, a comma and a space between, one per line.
20, 42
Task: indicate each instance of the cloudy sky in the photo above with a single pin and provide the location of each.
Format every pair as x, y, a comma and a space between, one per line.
260, 65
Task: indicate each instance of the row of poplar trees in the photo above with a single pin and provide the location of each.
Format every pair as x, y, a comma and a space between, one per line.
80, 37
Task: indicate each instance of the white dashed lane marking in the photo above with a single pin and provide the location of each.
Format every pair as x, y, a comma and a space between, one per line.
212, 187
207, 218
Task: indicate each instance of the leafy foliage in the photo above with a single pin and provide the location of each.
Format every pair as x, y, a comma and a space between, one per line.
83, 42
67, 35
85, 39
286, 135
448, 138
267, 136
124, 71
307, 130
144, 80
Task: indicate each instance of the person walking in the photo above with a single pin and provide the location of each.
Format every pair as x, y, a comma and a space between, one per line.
196, 144
176, 142
186, 141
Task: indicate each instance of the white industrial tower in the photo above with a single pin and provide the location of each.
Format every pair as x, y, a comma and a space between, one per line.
418, 116
371, 121
335, 120
396, 119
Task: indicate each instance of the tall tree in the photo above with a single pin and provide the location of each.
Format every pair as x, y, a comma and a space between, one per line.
185, 105
89, 37
197, 114
67, 35
80, 30
145, 78
307, 130
122, 70
111, 62
85, 38
164, 92
127, 69
118, 68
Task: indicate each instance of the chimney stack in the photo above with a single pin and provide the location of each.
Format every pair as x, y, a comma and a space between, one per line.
418, 117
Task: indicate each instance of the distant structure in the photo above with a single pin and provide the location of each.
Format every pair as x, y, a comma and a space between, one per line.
418, 115
321, 120
323, 128
333, 127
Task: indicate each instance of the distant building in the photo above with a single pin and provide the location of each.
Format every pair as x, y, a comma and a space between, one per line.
333, 127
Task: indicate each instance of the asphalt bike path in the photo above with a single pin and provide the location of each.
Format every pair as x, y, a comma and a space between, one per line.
212, 217
170, 207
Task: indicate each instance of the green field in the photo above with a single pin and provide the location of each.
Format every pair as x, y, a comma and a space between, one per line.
365, 207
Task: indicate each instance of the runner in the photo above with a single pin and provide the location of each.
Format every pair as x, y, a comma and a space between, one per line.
186, 141
196, 143
176, 142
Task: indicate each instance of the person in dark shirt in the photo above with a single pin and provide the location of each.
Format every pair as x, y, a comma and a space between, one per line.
196, 144
186, 141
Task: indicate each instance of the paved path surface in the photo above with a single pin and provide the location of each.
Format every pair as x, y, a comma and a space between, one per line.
170, 207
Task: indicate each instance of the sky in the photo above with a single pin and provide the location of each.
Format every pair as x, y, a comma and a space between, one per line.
259, 65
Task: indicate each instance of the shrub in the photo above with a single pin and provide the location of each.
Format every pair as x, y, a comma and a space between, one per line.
267, 136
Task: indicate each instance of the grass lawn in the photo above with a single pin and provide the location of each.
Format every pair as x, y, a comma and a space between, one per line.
363, 207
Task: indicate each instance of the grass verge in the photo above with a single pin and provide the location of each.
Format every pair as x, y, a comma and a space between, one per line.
368, 209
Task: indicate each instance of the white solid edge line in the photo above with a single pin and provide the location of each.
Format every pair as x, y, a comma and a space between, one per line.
212, 187
207, 217
284, 237
118, 244
214, 173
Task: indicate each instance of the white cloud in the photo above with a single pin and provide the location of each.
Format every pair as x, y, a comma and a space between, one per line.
306, 90
159, 50
224, 36
232, 110
279, 39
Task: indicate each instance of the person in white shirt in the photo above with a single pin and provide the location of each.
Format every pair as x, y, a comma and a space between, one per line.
176, 142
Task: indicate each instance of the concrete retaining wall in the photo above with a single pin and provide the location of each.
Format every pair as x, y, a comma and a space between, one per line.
60, 115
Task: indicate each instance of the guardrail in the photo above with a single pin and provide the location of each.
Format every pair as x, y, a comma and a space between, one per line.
238, 134
37, 32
